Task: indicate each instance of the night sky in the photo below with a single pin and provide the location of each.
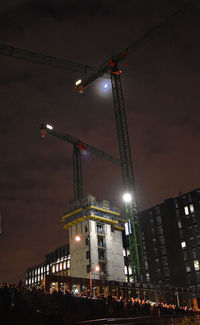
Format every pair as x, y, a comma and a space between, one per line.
161, 91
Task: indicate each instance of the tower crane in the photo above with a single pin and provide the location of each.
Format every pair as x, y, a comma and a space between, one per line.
110, 67
78, 147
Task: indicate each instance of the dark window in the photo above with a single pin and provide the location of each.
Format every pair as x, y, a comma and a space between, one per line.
102, 268
101, 242
161, 239
166, 271
181, 233
86, 241
86, 229
101, 254
194, 254
88, 254
157, 211
158, 220
164, 261
185, 255
163, 251
88, 268
160, 230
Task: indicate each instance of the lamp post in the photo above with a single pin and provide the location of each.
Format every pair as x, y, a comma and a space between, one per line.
97, 268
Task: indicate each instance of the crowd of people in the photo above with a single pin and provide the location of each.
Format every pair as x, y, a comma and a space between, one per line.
69, 307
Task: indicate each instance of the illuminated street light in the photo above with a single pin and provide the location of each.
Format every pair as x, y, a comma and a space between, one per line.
105, 86
127, 197
78, 82
97, 268
48, 126
77, 238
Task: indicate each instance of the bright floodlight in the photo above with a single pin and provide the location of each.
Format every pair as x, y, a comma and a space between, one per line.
105, 86
48, 126
77, 238
127, 197
97, 268
78, 82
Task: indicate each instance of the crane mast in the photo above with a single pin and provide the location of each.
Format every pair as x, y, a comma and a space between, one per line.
135, 242
78, 147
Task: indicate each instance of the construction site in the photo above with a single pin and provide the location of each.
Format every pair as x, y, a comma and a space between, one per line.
109, 249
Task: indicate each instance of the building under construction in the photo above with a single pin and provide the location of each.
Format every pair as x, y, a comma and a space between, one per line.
171, 244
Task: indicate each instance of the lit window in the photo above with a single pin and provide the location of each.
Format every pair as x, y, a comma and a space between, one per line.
186, 210
191, 208
42, 277
183, 244
130, 270
47, 268
38, 278
56, 267
68, 264
124, 252
196, 265
188, 268
127, 228
61, 266
32, 280
64, 265
53, 269
35, 279
29, 281
41, 269
125, 270
36, 272
148, 277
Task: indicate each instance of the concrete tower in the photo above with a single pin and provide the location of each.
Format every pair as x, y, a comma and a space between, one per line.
95, 238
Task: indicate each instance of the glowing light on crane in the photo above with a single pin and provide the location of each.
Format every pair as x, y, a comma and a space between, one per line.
127, 197
48, 126
78, 82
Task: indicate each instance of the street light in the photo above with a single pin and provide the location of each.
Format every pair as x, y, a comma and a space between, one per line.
97, 268
77, 238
